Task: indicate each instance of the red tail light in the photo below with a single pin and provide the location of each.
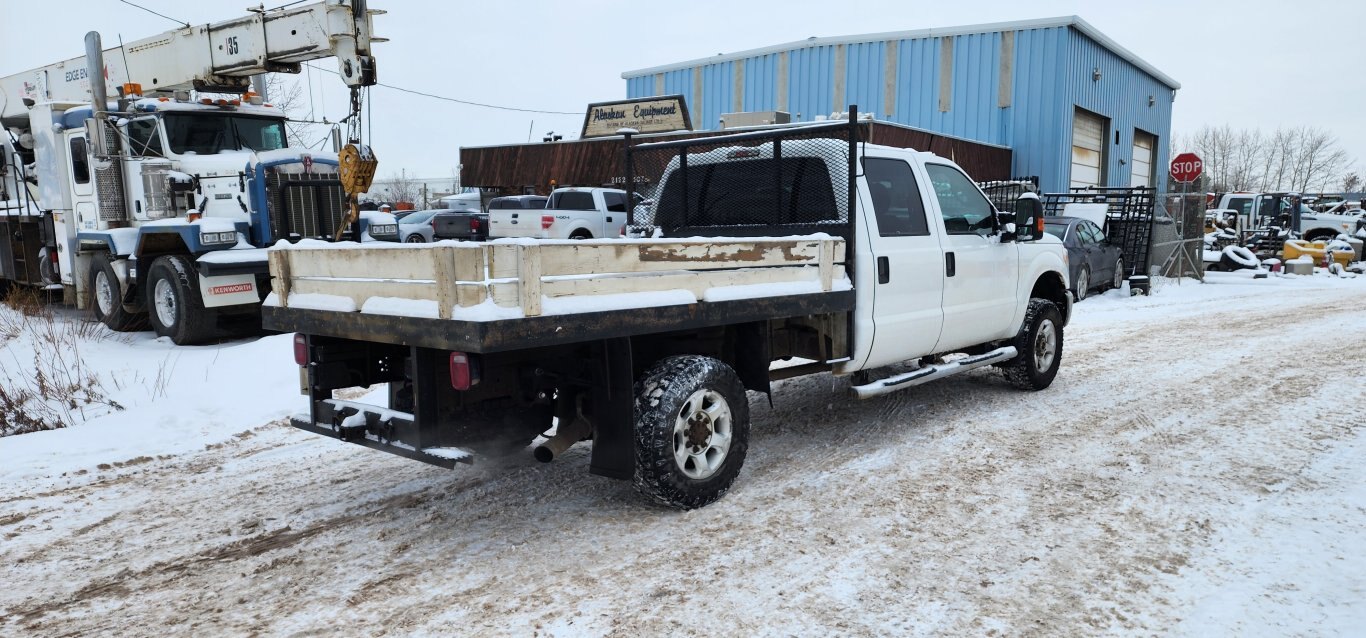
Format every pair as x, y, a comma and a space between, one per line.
464, 372
52, 256
474, 224
547, 221
300, 349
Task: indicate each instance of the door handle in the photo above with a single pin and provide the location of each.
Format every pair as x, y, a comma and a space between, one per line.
609, 220
950, 265
884, 270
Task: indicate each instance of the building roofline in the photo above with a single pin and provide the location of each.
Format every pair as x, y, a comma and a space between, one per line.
1017, 25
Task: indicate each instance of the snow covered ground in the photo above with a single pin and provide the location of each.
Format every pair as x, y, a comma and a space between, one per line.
1198, 468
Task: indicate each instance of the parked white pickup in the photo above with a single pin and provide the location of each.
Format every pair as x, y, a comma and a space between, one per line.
571, 213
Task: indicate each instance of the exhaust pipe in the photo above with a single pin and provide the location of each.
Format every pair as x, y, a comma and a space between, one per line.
94, 67
565, 437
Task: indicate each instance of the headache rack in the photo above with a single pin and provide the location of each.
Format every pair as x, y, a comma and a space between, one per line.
1129, 218
789, 181
1004, 192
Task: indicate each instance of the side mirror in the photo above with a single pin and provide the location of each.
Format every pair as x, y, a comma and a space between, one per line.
1006, 222
1028, 217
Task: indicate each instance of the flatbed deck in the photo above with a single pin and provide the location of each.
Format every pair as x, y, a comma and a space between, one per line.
510, 334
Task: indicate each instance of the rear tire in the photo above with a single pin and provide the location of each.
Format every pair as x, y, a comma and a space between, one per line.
106, 298
415, 238
581, 234
174, 305
692, 431
1118, 281
1040, 347
1080, 288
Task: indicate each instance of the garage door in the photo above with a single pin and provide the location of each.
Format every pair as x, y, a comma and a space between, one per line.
1088, 138
1142, 173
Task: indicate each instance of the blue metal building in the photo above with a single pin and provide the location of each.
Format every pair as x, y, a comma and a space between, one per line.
1076, 108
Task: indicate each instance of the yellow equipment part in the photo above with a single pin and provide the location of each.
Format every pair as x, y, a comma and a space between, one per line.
1315, 250
356, 166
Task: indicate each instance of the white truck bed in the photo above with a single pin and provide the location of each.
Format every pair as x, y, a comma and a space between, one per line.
516, 278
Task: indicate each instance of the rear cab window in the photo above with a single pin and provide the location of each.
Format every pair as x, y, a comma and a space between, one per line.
572, 200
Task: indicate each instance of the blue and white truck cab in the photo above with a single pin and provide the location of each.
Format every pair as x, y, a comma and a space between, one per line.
155, 206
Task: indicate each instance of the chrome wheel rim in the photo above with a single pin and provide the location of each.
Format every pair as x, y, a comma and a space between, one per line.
104, 293
702, 434
1083, 281
1045, 345
163, 298
1119, 274
416, 239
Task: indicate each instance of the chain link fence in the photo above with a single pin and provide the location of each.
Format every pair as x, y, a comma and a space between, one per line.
1178, 235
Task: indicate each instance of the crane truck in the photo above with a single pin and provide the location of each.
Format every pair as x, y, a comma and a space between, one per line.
145, 181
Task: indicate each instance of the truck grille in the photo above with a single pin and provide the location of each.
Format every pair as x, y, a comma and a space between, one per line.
308, 205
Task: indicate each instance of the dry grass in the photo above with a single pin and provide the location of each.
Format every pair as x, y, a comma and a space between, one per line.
58, 389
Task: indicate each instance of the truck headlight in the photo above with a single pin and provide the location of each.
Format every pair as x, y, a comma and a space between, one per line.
229, 237
384, 229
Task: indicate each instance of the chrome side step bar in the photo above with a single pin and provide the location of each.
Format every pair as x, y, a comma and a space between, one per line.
931, 373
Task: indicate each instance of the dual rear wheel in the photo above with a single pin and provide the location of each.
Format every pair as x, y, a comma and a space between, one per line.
174, 306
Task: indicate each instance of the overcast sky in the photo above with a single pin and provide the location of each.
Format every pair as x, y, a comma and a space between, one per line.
1249, 64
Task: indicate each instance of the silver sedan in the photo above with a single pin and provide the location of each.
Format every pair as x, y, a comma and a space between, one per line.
416, 228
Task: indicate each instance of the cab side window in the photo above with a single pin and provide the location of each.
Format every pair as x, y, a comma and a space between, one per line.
616, 202
965, 210
896, 198
80, 163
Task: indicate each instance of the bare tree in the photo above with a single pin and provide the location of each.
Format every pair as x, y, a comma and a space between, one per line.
401, 188
286, 95
1351, 182
1231, 156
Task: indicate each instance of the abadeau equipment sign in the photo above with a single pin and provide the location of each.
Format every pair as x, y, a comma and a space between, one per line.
646, 115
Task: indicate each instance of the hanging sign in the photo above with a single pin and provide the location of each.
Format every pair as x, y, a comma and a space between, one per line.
659, 114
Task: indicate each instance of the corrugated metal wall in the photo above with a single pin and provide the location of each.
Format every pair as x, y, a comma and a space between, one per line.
1120, 94
952, 88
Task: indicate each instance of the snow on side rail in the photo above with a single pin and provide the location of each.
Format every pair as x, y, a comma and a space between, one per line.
512, 278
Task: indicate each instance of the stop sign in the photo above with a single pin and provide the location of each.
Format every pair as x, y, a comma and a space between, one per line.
1187, 167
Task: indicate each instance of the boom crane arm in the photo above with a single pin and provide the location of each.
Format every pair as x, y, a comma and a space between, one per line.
220, 57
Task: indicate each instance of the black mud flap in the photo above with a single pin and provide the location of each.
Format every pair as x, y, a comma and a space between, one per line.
614, 443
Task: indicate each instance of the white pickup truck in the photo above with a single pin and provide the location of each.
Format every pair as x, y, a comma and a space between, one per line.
1253, 209
646, 347
571, 213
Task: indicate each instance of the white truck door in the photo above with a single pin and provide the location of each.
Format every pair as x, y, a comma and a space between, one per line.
908, 293
981, 273
82, 176
507, 221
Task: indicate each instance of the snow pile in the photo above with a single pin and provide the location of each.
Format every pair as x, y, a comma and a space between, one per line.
172, 399
396, 306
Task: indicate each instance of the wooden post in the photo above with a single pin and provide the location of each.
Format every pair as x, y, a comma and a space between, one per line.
279, 271
443, 265
827, 264
469, 270
529, 279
